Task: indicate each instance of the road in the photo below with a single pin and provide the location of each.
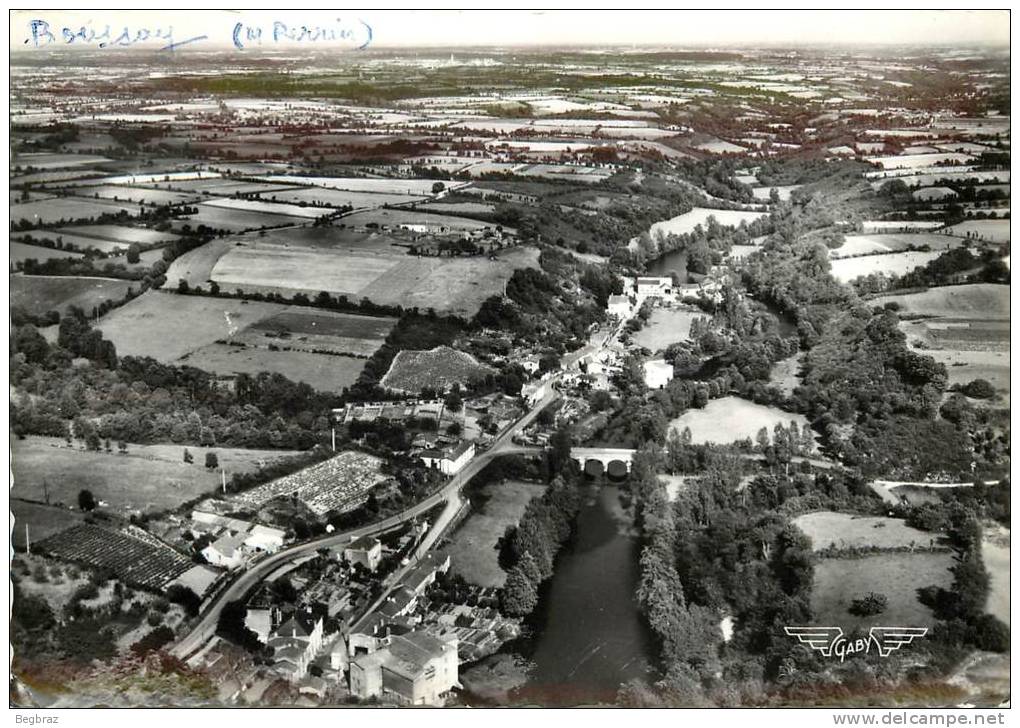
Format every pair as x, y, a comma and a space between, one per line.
251, 577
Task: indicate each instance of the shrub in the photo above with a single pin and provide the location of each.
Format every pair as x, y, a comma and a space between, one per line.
870, 604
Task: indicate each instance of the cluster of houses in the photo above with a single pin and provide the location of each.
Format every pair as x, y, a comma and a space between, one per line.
315, 644
234, 541
637, 290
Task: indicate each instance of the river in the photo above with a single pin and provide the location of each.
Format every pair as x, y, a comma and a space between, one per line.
589, 636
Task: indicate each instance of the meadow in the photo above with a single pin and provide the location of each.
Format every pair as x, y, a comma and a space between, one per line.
220, 218
385, 276
842, 531
39, 294
66, 209
732, 418
324, 372
23, 251
473, 547
666, 326
699, 216
891, 243
148, 478
996, 231
837, 582
122, 234
965, 327
166, 326
845, 270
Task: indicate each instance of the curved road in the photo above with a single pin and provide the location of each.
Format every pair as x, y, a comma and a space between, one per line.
204, 629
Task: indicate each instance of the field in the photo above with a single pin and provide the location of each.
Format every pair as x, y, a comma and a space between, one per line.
121, 234
997, 231
324, 372
220, 218
66, 209
414, 217
140, 195
732, 418
976, 300
356, 184
339, 484
473, 546
412, 371
891, 243
42, 521
185, 323
699, 216
666, 326
451, 285
270, 208
301, 343
765, 193
23, 251
965, 327
912, 161
39, 294
148, 478
898, 576
129, 553
847, 269
48, 160
841, 530
336, 198
308, 330
995, 551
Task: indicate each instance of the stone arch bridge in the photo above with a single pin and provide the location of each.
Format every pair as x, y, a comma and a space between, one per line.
602, 455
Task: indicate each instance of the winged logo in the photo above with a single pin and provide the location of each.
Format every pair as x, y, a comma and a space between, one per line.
830, 642
890, 639
822, 639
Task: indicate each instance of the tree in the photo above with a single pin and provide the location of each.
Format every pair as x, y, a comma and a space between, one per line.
211, 461
86, 501
438, 187
453, 400
133, 252
188, 457
519, 596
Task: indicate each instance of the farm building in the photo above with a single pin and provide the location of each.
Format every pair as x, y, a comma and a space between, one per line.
450, 460
414, 668
658, 373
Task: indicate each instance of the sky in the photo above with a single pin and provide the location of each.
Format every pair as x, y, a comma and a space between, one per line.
397, 28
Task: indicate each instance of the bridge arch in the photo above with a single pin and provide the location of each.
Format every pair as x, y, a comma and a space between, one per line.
603, 455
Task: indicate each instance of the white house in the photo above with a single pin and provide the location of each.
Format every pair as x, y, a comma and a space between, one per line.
619, 306
226, 551
451, 460
264, 539
658, 372
653, 285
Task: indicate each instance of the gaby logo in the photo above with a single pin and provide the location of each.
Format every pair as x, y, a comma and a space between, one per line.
831, 642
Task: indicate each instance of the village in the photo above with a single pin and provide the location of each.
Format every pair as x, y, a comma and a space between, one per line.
507, 376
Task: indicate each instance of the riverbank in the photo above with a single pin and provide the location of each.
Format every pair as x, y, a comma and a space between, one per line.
586, 637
